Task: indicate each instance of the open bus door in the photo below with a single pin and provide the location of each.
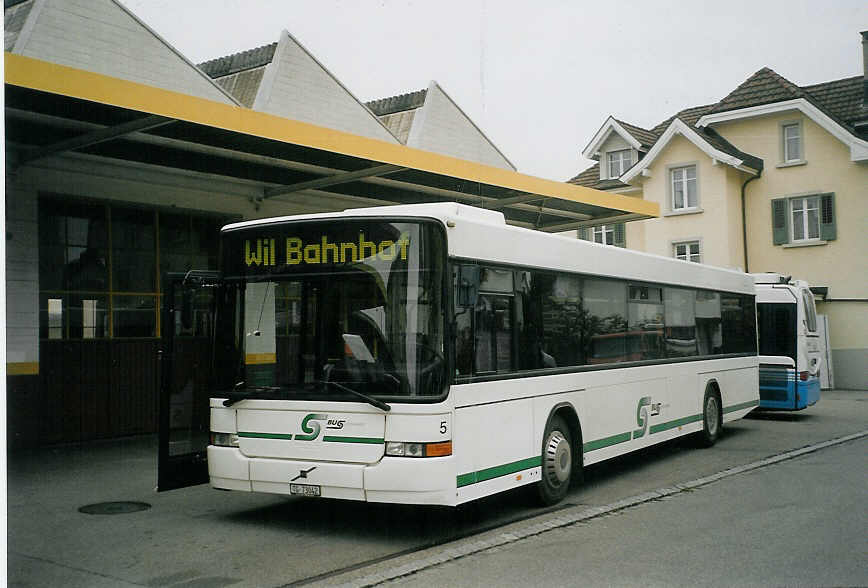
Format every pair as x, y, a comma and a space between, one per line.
186, 378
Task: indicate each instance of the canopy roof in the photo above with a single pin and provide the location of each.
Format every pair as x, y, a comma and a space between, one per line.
52, 109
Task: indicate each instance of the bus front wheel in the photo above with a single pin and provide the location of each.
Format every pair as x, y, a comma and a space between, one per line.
712, 418
557, 462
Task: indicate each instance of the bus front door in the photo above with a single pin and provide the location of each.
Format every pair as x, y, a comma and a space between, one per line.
186, 366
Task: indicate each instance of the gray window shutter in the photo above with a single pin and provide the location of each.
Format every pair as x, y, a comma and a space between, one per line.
828, 230
620, 235
780, 226
583, 233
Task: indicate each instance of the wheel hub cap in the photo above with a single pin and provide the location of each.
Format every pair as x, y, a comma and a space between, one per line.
712, 411
558, 459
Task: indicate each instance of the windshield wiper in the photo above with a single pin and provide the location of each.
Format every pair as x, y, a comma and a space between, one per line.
263, 392
369, 399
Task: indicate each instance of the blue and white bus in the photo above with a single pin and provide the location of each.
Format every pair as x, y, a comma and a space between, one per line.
432, 354
789, 344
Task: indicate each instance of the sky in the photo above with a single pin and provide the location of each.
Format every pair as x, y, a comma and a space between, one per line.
539, 78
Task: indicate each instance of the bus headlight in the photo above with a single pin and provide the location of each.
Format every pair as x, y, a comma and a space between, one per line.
224, 439
401, 449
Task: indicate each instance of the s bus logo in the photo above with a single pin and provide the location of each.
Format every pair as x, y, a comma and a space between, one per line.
311, 427
642, 417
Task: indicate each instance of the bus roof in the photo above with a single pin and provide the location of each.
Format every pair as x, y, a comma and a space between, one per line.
478, 234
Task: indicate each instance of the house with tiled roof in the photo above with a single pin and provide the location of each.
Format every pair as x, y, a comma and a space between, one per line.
773, 177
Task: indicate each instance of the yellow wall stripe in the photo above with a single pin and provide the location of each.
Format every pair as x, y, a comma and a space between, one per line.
22, 368
67, 81
260, 358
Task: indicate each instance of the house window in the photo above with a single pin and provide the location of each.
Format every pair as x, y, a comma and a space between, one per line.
805, 218
604, 234
792, 142
684, 193
619, 162
613, 234
687, 251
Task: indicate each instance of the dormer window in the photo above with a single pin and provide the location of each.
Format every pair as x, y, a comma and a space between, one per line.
619, 162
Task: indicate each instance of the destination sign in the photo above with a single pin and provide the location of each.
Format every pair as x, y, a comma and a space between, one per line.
322, 250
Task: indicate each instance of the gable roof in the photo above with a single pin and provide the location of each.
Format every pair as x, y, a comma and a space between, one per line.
430, 119
843, 100
591, 179
689, 115
763, 87
105, 37
645, 137
840, 100
287, 80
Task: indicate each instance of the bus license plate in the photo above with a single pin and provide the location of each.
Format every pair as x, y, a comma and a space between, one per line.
304, 489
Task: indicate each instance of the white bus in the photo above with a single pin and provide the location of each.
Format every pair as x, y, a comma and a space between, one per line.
789, 344
432, 354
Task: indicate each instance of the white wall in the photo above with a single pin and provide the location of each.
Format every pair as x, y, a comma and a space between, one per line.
440, 126
296, 86
101, 37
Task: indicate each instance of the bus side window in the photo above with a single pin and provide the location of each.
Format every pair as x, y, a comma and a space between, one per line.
465, 280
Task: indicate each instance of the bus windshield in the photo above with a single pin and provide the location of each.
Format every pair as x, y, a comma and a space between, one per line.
325, 308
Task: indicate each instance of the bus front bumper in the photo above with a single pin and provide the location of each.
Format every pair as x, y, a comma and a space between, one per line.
404, 480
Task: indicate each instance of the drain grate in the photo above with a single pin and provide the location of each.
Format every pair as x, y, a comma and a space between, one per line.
112, 508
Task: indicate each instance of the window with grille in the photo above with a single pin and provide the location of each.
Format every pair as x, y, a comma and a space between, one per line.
100, 265
619, 162
687, 251
804, 220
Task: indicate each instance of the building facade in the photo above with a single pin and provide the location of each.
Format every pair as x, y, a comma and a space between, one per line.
773, 177
89, 235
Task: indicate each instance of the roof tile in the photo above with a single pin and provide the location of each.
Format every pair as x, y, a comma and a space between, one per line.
397, 103
644, 136
231, 64
763, 87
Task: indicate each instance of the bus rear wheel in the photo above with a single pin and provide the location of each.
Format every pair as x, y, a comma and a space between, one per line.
557, 462
712, 418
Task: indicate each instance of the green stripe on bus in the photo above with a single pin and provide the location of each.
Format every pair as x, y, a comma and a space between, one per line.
287, 437
371, 440
606, 442
498, 471
740, 406
676, 423
265, 435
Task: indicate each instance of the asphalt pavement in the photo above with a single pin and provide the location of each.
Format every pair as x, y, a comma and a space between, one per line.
200, 537
799, 522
